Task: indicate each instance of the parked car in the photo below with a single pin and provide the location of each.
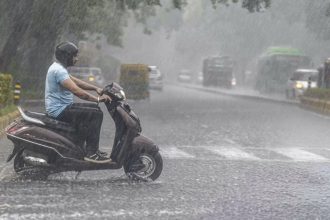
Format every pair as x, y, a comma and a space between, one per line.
185, 76
89, 74
299, 81
155, 78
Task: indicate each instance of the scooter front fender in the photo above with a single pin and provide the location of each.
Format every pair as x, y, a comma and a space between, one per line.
142, 144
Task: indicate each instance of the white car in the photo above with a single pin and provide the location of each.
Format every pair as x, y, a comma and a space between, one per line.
89, 74
155, 78
185, 76
300, 81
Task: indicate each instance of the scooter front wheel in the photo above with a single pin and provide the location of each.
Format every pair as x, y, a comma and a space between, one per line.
144, 166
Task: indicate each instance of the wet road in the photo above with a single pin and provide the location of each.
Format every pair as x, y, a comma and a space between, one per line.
224, 158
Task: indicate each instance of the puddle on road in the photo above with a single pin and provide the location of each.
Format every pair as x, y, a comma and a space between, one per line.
86, 178
7, 173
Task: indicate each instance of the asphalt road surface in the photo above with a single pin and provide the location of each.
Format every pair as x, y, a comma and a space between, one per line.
224, 158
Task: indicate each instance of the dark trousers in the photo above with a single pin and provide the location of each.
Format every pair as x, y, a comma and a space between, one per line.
87, 119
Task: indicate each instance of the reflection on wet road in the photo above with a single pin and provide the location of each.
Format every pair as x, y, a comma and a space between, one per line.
224, 158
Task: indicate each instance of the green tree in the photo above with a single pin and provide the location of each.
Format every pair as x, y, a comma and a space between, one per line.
30, 29
318, 18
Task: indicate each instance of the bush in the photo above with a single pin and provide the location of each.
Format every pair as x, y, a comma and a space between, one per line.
6, 94
318, 93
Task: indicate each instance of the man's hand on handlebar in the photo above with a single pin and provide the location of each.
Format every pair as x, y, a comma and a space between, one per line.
104, 98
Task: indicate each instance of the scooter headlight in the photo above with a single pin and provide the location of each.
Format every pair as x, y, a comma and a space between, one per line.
123, 94
120, 95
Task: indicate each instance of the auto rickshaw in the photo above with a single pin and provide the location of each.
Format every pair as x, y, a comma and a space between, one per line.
134, 78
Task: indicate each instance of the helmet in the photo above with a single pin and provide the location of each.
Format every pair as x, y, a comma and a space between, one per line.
64, 53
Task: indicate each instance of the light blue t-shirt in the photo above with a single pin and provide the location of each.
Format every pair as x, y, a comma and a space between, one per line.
57, 98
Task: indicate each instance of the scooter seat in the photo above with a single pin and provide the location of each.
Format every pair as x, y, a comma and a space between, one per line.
51, 122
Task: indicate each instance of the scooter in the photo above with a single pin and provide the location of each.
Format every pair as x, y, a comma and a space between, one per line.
43, 145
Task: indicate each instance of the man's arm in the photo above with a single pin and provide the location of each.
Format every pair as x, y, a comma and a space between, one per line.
84, 85
78, 91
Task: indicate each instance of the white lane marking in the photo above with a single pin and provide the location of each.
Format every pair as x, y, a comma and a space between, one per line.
175, 153
297, 154
233, 153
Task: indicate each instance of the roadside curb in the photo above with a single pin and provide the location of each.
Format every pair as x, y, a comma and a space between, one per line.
316, 105
6, 120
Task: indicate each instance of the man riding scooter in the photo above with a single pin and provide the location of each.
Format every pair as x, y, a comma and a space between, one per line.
59, 91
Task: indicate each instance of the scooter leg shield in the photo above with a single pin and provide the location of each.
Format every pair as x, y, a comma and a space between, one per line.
120, 157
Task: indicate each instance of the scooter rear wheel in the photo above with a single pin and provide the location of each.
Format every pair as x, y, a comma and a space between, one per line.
144, 166
30, 171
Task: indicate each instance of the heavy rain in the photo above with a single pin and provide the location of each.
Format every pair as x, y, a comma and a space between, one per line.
164, 109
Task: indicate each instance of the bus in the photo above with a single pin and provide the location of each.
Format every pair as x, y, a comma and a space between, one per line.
275, 66
218, 71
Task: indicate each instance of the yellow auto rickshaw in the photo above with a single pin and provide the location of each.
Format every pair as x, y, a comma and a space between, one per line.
134, 78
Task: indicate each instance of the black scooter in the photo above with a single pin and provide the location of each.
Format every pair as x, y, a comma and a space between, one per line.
43, 145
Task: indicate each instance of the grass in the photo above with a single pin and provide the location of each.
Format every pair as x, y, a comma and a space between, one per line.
8, 109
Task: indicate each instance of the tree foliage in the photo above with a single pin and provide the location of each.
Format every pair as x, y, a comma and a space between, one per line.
30, 29
318, 18
251, 5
